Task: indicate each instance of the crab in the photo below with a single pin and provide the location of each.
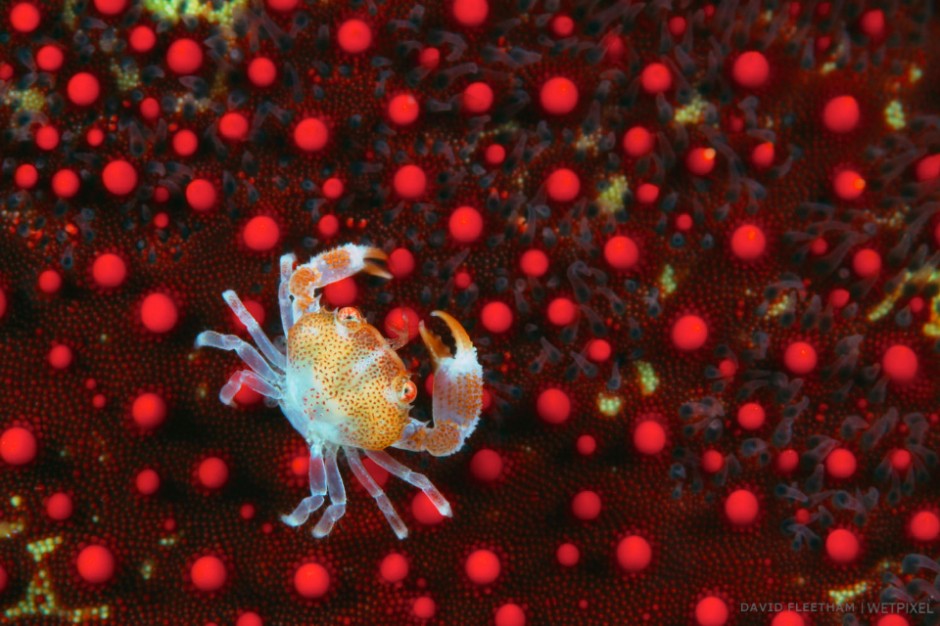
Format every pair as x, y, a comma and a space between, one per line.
343, 387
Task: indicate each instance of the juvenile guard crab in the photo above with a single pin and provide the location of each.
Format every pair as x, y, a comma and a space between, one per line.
342, 386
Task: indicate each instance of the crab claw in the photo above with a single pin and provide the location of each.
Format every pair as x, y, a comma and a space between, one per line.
458, 390
369, 257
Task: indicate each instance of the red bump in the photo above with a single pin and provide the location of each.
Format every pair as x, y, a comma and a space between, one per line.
841, 114
553, 406
184, 56
333, 188
401, 262
282, 6
403, 109
424, 511
208, 573
599, 350
496, 317
108, 270
83, 89
495, 154
249, 618
711, 611
328, 226
158, 313
59, 506
261, 233
147, 482
486, 465
751, 416
647, 193
185, 142
741, 507
925, 526
712, 461
842, 546
465, 224
928, 168
562, 311
311, 580
559, 96
212, 473
65, 183
621, 252
751, 70
477, 98
47, 137
568, 554
424, 608
634, 553
148, 411
341, 293
394, 568
470, 12
848, 184
787, 461
788, 618
262, 72
60, 356
110, 7
656, 78
690, 332
354, 36
510, 614
563, 185
50, 281
233, 126
638, 142
24, 17
26, 176
410, 182
899, 363
17, 446
800, 357
586, 505
142, 39
400, 320
533, 263
95, 564
482, 567
201, 195
119, 177
311, 134
762, 156
701, 161
649, 437
748, 242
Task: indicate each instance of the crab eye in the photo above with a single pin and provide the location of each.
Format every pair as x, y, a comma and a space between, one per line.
409, 391
350, 314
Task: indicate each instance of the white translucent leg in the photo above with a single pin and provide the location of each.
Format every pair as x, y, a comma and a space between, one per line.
337, 508
384, 504
317, 476
275, 356
250, 380
384, 460
283, 293
243, 349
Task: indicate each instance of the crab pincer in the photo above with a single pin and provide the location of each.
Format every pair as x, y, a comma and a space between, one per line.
458, 391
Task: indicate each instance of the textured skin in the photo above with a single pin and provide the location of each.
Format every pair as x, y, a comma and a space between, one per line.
346, 374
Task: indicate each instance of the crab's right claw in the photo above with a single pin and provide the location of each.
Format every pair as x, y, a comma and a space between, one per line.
458, 390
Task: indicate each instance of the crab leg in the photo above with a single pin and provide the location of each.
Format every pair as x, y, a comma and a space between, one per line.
246, 351
317, 477
275, 356
283, 295
385, 461
252, 381
337, 508
332, 266
457, 395
384, 504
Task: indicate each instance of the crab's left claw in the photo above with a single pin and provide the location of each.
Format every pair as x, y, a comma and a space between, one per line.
458, 391
369, 265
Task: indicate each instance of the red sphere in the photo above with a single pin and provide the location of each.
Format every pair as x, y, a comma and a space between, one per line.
841, 114
119, 177
742, 507
95, 564
553, 406
465, 224
558, 95
690, 332
184, 56
649, 437
634, 553
621, 252
899, 363
482, 567
17, 446
751, 70
208, 573
842, 546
